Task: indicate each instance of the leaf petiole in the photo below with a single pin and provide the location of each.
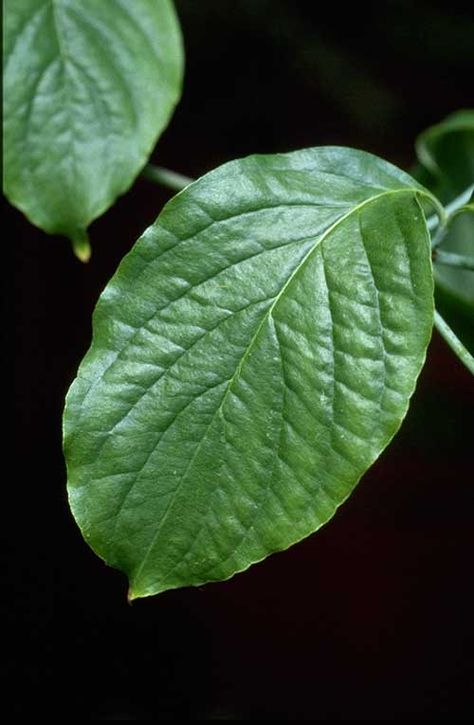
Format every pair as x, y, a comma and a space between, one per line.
459, 205
166, 177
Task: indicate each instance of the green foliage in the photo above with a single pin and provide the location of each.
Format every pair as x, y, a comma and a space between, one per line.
257, 349
252, 356
447, 153
88, 88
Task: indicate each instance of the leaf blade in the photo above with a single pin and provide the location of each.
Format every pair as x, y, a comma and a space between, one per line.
88, 88
244, 362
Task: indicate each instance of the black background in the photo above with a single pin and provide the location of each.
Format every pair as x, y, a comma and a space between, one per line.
372, 618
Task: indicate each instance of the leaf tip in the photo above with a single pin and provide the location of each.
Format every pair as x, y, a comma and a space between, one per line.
81, 246
136, 591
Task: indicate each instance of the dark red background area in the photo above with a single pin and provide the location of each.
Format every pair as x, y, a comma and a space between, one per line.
372, 617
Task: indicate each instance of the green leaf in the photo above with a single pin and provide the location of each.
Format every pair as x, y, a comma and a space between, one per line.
447, 151
460, 240
252, 356
88, 88
455, 287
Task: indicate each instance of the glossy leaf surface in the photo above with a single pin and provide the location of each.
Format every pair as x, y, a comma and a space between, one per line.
252, 356
88, 88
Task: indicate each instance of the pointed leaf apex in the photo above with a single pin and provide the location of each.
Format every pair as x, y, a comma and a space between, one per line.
81, 246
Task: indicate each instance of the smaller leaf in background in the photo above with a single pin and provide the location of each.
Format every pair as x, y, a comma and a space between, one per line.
446, 152
88, 88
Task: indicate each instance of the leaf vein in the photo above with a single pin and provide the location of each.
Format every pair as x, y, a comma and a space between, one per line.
300, 266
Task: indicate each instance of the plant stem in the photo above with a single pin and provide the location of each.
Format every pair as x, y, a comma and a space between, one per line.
166, 177
438, 237
459, 204
454, 342
451, 259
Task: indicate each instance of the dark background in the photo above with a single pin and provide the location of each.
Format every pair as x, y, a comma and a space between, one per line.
371, 618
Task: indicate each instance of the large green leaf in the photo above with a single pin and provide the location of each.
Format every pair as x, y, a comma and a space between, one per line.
88, 87
252, 356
